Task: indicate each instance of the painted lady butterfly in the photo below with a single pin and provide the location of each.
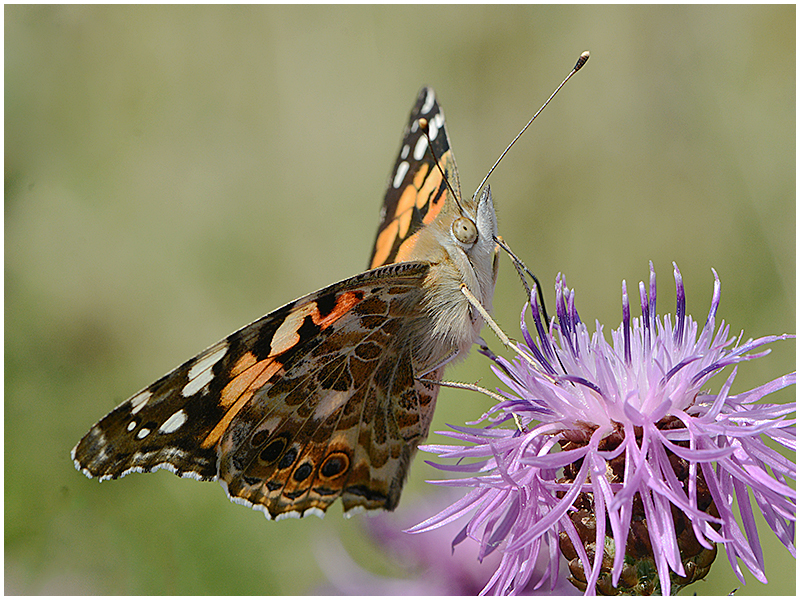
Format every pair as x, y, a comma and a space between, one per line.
322, 398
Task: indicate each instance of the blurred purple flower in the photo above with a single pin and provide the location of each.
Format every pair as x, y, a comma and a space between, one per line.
618, 447
430, 564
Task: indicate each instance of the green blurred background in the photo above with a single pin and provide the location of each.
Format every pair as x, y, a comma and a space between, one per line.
172, 173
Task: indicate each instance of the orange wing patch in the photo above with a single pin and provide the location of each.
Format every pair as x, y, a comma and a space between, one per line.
419, 204
252, 377
252, 374
384, 244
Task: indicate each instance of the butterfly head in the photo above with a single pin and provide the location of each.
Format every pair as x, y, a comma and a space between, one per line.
472, 237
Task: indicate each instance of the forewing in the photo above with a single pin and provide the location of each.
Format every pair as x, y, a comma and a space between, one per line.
416, 191
267, 368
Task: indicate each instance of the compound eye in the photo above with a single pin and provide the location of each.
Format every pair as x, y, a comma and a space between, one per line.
465, 231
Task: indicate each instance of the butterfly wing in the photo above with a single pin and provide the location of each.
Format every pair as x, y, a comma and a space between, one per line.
416, 191
314, 401
343, 424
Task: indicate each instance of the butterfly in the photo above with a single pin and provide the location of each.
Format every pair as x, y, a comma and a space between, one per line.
328, 396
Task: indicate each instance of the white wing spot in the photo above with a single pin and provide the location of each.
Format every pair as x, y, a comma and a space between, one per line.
139, 400
173, 423
420, 148
404, 152
429, 100
402, 169
131, 425
200, 374
143, 433
434, 125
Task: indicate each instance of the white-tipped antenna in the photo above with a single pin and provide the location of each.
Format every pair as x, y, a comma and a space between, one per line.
581, 61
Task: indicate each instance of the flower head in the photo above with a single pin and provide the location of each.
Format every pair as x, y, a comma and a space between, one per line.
620, 457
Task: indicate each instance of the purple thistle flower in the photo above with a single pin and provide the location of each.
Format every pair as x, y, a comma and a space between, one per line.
649, 462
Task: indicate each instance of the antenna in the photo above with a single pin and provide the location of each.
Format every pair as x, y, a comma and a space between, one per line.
423, 125
518, 264
581, 61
